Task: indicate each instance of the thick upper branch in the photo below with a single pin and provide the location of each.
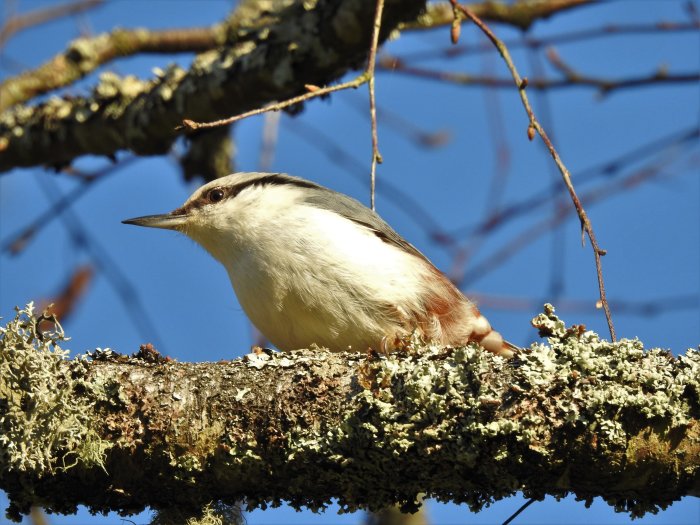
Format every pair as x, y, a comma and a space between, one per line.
272, 50
581, 415
299, 43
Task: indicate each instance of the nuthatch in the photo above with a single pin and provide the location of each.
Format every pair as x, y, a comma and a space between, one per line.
310, 265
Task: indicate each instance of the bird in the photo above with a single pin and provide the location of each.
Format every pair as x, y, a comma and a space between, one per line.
312, 265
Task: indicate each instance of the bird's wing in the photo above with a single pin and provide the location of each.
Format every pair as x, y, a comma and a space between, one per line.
357, 212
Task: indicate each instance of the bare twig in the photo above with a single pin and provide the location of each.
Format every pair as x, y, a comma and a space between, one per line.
605, 85
63, 304
376, 156
17, 242
518, 14
540, 228
645, 308
312, 92
686, 138
533, 127
569, 37
41, 16
519, 511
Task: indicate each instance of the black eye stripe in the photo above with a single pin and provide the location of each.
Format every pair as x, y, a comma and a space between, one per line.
275, 179
230, 192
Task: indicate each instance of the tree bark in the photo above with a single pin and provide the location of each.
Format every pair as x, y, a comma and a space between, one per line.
577, 415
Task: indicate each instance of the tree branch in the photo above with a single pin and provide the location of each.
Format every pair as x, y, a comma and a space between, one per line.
521, 14
605, 85
579, 415
18, 23
84, 55
269, 62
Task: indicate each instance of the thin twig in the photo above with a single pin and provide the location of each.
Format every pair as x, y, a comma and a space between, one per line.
312, 92
686, 138
533, 42
376, 156
367, 77
533, 127
64, 303
527, 237
519, 511
645, 308
605, 85
41, 16
14, 244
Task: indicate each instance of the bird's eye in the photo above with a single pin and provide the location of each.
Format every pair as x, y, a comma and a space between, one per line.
215, 195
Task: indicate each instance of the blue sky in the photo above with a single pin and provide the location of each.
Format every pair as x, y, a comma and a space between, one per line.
651, 231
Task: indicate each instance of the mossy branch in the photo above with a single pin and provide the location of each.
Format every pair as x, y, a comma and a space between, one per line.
577, 415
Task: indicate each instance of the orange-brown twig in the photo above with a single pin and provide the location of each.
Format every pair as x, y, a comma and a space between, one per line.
533, 127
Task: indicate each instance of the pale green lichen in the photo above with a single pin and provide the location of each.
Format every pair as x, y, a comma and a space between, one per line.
41, 418
214, 513
610, 379
457, 424
424, 405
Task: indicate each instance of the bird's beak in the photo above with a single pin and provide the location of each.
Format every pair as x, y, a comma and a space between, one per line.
167, 221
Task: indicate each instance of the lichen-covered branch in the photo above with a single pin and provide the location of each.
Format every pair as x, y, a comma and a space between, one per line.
86, 54
577, 415
273, 49
280, 47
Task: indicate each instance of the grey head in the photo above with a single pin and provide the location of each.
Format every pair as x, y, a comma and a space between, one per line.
312, 194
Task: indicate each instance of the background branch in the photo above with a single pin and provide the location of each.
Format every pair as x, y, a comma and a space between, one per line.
18, 23
518, 14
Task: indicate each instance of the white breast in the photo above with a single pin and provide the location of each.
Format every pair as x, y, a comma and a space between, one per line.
311, 276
